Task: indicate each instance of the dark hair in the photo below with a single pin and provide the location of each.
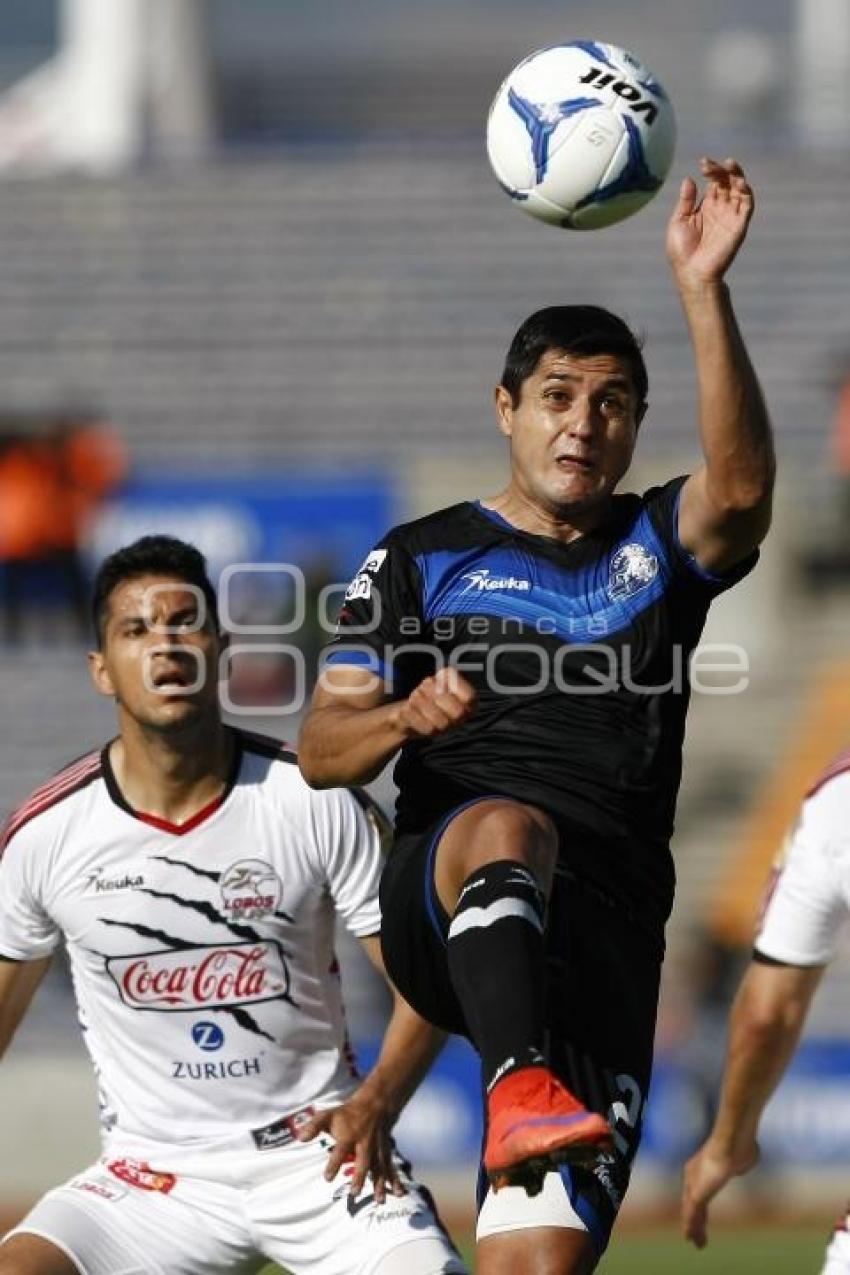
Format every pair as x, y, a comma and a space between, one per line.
577, 329
149, 556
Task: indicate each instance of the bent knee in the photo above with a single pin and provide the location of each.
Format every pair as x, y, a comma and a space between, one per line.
505, 829
26, 1254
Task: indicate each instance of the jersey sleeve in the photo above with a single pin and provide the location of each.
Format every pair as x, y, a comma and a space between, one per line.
26, 931
382, 606
348, 841
662, 504
808, 901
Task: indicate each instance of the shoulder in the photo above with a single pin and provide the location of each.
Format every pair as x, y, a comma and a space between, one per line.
833, 782
421, 532
271, 766
51, 800
824, 814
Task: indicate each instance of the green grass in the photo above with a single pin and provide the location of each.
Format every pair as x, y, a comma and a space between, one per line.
735, 1252
730, 1252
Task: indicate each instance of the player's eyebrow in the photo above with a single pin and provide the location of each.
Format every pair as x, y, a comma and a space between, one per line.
187, 612
611, 383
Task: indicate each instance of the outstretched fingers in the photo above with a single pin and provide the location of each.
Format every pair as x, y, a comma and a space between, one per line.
687, 201
727, 183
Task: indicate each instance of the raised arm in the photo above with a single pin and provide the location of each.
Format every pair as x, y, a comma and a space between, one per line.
19, 981
726, 503
767, 1018
361, 1126
352, 728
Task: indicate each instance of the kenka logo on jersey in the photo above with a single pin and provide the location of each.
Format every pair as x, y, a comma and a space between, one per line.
250, 889
361, 585
480, 581
98, 882
633, 568
195, 977
138, 1173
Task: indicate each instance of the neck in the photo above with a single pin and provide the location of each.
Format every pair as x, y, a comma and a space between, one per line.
172, 777
558, 523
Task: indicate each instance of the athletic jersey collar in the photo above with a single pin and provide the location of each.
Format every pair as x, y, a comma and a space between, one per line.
586, 538
165, 825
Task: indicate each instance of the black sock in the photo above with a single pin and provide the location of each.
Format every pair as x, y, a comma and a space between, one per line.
496, 964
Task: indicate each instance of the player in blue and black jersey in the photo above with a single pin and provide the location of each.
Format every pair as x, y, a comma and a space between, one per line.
529, 655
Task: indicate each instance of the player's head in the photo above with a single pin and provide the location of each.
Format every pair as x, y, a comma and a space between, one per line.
570, 399
157, 634
575, 329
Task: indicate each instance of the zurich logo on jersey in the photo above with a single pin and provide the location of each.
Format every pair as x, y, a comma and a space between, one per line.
633, 567
208, 1036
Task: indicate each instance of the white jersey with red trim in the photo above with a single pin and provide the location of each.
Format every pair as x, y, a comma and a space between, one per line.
810, 896
202, 955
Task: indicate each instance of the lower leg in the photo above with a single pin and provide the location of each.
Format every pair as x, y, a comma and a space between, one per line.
493, 873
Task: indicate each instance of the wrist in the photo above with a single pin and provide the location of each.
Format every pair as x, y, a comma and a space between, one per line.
399, 724
733, 1144
697, 291
376, 1092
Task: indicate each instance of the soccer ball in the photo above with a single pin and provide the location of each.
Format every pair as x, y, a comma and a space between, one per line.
581, 135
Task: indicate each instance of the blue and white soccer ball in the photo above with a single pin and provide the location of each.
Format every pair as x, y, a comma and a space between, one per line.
581, 135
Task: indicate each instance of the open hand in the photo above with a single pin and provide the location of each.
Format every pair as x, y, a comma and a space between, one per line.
704, 234
706, 1173
361, 1132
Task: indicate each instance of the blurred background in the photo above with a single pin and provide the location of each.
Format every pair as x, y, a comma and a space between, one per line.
257, 283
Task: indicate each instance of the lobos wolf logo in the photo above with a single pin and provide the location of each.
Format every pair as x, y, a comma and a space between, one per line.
633, 567
250, 889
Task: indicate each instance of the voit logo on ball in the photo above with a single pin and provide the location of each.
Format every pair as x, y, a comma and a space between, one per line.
250, 889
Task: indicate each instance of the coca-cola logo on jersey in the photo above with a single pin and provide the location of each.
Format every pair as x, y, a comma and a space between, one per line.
214, 977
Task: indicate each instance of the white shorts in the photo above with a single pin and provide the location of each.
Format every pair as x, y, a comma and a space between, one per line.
837, 1260
180, 1213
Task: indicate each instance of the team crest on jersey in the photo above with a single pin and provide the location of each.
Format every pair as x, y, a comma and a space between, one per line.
633, 567
361, 585
250, 889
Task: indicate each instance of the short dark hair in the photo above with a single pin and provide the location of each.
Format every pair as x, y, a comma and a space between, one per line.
149, 556
577, 329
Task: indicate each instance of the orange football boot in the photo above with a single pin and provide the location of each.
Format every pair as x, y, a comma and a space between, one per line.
533, 1125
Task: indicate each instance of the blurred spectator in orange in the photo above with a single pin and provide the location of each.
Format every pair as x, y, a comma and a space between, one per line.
50, 484
25, 501
841, 445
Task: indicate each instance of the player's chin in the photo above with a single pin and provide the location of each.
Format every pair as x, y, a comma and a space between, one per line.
175, 712
577, 491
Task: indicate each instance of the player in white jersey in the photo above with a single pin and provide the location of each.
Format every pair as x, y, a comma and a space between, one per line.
807, 903
195, 880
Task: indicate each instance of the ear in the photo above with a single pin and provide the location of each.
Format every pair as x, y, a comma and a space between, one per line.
640, 412
504, 406
99, 674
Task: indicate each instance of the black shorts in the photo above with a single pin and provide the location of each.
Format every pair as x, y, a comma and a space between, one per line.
602, 977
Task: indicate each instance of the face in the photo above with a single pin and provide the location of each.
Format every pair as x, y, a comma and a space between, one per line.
573, 431
156, 661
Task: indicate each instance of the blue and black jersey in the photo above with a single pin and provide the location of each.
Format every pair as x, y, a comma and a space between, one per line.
580, 654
